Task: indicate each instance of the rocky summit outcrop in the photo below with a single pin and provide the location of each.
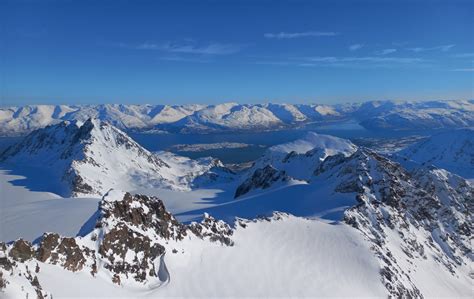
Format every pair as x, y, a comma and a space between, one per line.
129, 241
409, 216
261, 178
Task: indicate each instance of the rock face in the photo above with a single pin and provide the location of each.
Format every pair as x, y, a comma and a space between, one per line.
21, 251
262, 178
212, 229
132, 228
65, 252
427, 213
17, 260
128, 241
293, 160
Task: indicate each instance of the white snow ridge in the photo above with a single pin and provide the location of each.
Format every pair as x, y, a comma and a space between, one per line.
88, 212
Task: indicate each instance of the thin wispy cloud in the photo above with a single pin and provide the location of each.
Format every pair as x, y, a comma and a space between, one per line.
464, 70
355, 47
443, 48
385, 51
372, 59
192, 48
292, 35
179, 58
464, 55
352, 62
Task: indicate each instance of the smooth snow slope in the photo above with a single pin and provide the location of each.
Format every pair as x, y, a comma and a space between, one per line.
28, 214
291, 257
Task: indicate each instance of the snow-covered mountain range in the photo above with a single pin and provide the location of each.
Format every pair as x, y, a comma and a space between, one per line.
338, 219
232, 116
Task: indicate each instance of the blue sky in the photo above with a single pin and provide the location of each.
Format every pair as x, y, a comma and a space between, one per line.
174, 52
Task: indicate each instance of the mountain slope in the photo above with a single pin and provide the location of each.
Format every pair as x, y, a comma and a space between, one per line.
419, 222
123, 243
397, 115
138, 249
296, 160
88, 159
452, 150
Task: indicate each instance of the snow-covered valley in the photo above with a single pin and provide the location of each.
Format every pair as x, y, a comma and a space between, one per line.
315, 217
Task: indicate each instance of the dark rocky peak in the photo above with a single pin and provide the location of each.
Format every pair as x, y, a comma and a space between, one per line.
146, 213
366, 171
212, 229
262, 178
21, 250
65, 252
129, 241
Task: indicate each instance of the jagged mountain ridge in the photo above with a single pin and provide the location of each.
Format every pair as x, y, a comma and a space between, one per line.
418, 219
410, 217
296, 160
91, 158
127, 244
232, 116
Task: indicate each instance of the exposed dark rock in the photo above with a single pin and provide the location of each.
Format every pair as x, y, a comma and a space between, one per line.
48, 243
64, 251
262, 178
144, 212
21, 250
3, 281
120, 243
215, 230
128, 234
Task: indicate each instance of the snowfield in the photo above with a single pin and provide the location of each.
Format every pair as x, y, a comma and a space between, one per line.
28, 214
269, 259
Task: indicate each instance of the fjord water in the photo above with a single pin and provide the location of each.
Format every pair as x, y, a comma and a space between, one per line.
259, 141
